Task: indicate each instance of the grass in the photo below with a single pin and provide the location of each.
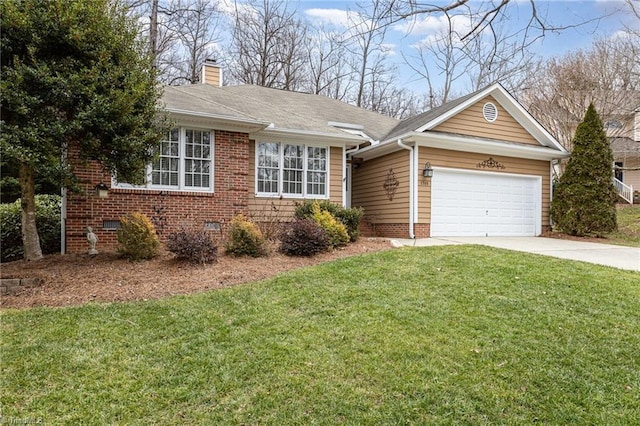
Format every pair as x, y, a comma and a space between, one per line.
438, 335
628, 233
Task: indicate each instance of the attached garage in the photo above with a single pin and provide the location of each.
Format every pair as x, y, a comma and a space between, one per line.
478, 166
468, 203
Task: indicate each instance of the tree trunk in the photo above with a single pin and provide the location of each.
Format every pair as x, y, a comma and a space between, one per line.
30, 238
153, 32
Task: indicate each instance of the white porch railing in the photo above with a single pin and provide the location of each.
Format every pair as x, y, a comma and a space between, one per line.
624, 191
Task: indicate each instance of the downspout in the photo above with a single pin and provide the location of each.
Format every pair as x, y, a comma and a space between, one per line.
412, 179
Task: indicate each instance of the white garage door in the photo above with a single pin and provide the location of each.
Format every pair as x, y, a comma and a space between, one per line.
475, 204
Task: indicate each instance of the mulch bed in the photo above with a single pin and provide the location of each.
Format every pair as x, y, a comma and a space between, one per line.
76, 279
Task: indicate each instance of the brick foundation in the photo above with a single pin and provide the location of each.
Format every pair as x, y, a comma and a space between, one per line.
394, 230
168, 210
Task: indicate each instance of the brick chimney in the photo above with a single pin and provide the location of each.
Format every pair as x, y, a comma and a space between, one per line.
211, 73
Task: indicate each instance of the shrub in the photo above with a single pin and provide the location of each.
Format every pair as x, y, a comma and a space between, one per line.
192, 246
47, 222
303, 237
137, 237
245, 239
584, 199
336, 231
350, 217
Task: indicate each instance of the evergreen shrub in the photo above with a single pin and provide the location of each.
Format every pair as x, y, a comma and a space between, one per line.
335, 230
350, 217
137, 238
47, 222
584, 199
245, 239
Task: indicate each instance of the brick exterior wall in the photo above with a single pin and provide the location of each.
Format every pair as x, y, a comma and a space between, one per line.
393, 230
169, 210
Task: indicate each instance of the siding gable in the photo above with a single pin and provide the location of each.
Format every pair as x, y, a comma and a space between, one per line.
471, 122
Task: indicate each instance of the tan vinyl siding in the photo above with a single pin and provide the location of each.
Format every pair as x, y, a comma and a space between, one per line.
471, 122
335, 174
469, 161
631, 177
368, 188
268, 207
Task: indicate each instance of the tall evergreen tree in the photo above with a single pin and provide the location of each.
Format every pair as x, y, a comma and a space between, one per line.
73, 75
584, 201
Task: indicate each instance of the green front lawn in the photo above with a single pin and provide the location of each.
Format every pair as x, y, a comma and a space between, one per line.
438, 335
628, 232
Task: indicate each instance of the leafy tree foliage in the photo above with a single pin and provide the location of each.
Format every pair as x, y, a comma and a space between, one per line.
74, 79
584, 198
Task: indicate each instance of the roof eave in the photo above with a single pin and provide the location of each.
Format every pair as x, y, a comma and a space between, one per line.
465, 144
221, 122
282, 134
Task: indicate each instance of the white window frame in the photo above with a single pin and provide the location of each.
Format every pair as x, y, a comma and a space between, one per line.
181, 186
305, 170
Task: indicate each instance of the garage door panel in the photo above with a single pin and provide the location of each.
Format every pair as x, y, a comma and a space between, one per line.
480, 204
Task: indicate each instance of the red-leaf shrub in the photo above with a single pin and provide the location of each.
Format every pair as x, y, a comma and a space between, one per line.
303, 237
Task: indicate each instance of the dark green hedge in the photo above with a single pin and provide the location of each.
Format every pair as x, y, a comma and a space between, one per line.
47, 221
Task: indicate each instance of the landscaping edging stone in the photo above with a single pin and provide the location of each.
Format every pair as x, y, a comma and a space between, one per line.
11, 286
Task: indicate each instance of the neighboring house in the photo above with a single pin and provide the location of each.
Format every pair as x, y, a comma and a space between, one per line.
255, 151
624, 136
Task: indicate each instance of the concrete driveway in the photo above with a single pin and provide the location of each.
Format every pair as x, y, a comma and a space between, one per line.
601, 254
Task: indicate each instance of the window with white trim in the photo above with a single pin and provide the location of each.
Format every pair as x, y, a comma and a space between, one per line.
184, 162
166, 168
197, 159
291, 170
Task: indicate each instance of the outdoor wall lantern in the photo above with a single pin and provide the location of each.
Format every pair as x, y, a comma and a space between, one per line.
101, 190
427, 171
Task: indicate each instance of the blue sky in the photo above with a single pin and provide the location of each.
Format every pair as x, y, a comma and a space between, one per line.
604, 18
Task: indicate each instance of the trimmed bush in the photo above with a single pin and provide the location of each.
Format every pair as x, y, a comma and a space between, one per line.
137, 237
245, 239
350, 217
192, 246
47, 222
303, 237
336, 231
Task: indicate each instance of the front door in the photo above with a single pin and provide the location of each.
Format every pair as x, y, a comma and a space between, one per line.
619, 173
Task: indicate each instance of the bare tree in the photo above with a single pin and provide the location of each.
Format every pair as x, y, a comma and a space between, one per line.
267, 45
486, 15
180, 35
440, 61
367, 49
195, 25
328, 72
607, 75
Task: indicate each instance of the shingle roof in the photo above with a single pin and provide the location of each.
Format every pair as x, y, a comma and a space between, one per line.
414, 123
285, 109
309, 113
621, 145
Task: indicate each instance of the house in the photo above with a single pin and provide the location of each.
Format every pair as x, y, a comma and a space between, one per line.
479, 165
624, 136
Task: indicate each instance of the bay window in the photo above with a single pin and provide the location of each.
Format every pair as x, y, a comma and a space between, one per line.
291, 170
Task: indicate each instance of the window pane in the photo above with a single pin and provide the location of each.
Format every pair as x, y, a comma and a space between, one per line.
267, 170
164, 170
292, 169
316, 171
197, 159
